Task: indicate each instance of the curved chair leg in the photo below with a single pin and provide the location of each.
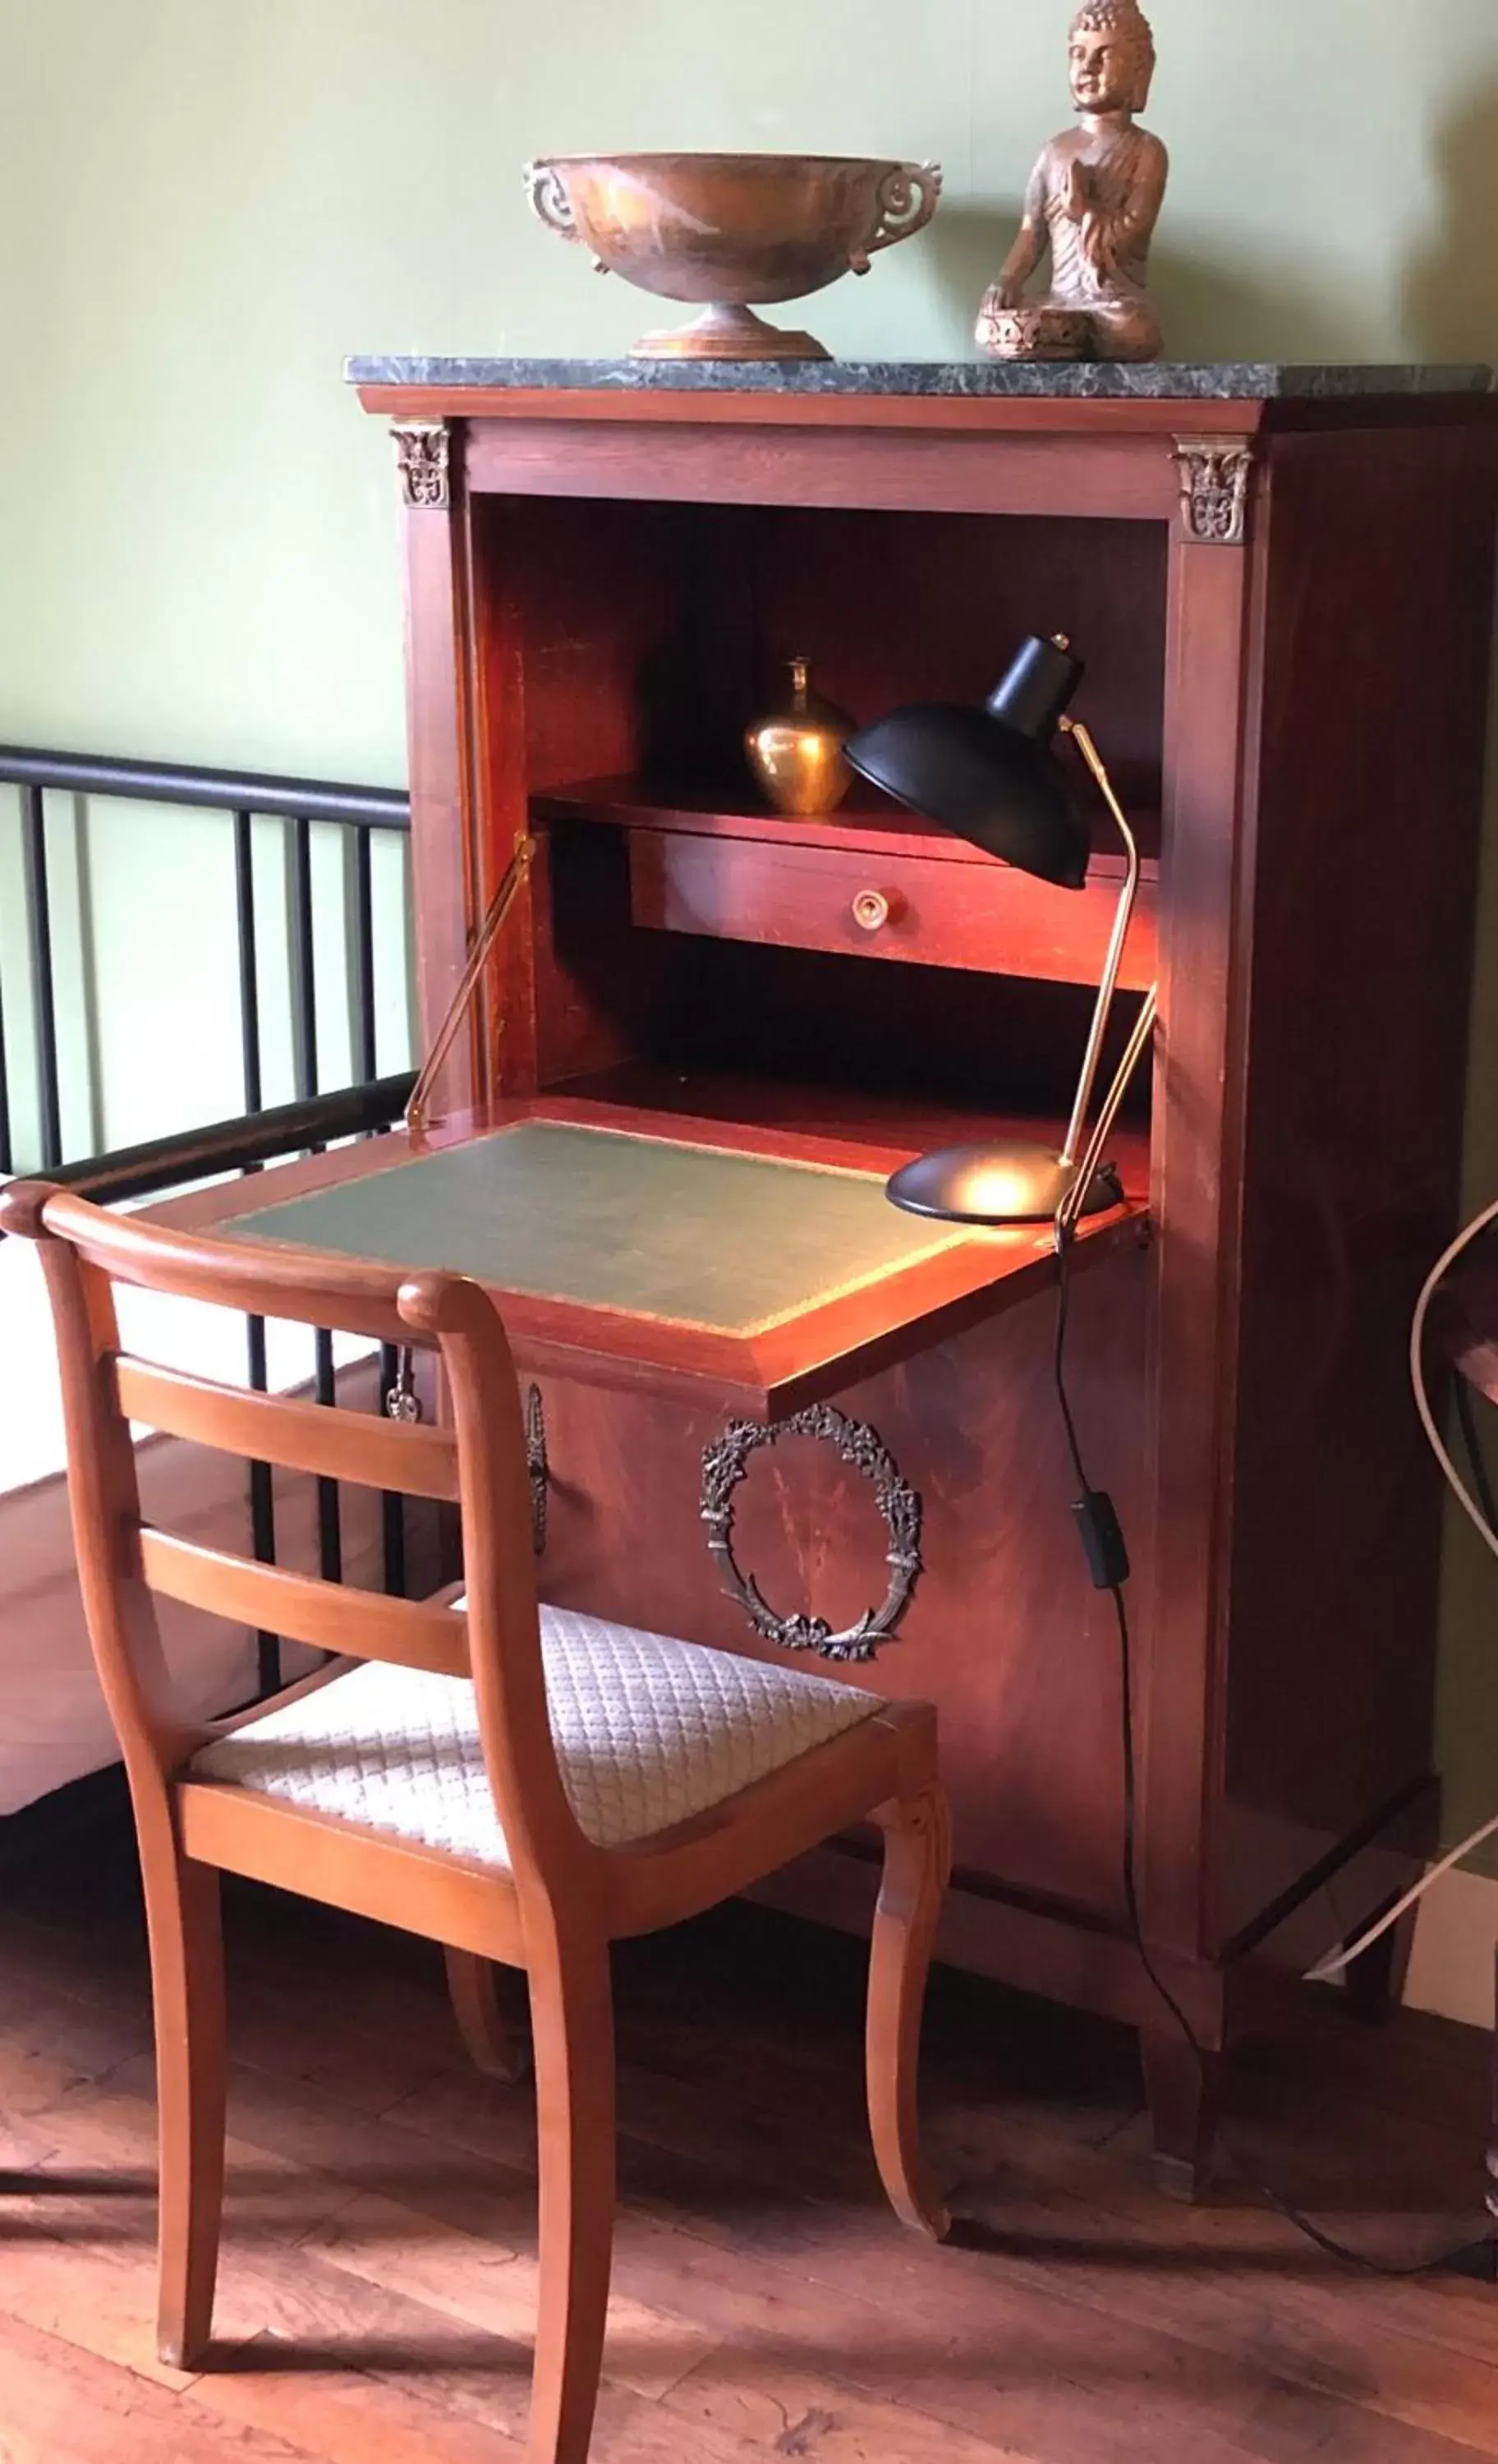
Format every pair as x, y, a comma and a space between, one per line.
918, 1860
493, 2045
188, 1989
572, 2024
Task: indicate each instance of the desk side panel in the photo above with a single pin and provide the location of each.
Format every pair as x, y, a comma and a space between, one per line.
1379, 591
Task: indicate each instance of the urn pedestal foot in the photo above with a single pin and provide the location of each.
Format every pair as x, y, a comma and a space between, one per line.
724, 332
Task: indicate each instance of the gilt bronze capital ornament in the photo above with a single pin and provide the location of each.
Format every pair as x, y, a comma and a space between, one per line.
422, 457
1215, 475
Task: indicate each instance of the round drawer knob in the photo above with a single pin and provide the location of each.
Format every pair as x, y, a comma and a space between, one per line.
871, 911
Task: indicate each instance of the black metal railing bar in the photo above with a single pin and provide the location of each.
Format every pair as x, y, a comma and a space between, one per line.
39, 917
259, 1136
244, 1145
238, 1145
249, 972
244, 795
224, 791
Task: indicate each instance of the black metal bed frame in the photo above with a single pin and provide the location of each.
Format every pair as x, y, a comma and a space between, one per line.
259, 1135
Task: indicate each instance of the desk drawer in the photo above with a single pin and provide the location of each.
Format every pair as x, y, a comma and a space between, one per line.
979, 916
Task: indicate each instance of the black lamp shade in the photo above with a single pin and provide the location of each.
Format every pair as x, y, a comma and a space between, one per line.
1035, 695
989, 776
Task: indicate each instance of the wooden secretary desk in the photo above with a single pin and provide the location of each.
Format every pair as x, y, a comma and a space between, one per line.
1281, 583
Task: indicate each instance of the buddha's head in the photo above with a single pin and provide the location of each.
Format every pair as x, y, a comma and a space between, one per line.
1113, 56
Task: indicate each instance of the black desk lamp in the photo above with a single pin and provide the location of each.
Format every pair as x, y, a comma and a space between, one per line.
991, 776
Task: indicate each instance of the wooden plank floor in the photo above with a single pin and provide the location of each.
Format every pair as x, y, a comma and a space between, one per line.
376, 2293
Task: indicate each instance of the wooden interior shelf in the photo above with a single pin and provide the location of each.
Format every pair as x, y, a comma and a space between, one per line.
866, 825
867, 880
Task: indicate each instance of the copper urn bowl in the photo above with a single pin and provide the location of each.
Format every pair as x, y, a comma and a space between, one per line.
733, 232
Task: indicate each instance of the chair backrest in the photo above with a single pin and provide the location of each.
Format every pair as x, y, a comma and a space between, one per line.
125, 1563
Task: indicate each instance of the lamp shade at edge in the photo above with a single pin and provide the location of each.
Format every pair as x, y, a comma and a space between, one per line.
983, 782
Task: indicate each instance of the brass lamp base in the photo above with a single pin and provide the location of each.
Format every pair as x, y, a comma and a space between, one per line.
728, 333
1008, 1182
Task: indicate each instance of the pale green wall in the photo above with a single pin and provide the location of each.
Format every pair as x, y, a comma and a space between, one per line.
205, 203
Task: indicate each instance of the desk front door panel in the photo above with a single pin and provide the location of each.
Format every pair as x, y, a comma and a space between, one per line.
1004, 1630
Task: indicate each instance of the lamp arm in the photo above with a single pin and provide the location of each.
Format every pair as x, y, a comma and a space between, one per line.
1068, 1213
516, 873
1109, 985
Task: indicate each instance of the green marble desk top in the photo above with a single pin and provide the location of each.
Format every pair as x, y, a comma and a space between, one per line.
693, 1235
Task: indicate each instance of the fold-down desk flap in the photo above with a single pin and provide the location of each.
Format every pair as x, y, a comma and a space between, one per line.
678, 1256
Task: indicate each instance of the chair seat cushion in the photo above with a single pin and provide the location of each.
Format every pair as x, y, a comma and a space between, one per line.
649, 1731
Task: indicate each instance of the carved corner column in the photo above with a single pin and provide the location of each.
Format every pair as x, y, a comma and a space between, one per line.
1208, 743
1181, 1624
440, 687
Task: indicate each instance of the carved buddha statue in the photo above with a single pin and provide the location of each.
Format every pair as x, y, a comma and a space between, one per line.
1094, 201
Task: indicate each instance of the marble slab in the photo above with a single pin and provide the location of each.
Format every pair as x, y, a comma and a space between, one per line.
997, 380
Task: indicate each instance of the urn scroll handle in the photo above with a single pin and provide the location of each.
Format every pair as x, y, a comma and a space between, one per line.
550, 203
907, 196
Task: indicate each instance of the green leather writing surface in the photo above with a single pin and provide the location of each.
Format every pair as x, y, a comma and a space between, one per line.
690, 1234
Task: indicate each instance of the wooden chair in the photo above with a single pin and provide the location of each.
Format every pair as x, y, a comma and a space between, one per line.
520, 1786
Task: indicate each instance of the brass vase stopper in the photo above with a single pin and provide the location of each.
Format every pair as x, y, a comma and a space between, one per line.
796, 753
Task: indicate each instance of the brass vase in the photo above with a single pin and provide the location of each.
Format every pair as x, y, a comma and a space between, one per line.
796, 753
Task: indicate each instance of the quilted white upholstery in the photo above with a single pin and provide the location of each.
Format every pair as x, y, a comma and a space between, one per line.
649, 1731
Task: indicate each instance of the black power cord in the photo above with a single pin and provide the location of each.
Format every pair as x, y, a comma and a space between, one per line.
1471, 1439
1108, 1563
